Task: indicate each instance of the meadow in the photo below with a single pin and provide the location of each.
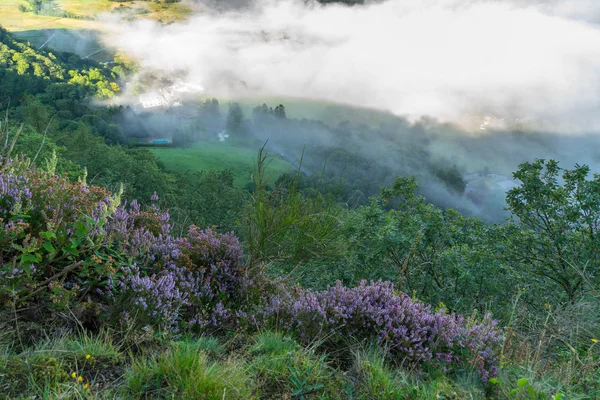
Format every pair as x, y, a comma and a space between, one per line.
213, 155
87, 12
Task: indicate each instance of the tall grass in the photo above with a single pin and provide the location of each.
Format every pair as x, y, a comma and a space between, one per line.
284, 226
185, 372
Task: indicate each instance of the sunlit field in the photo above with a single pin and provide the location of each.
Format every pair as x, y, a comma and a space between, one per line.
216, 156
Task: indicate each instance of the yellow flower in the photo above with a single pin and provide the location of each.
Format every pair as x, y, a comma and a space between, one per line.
73, 375
79, 379
86, 386
87, 356
594, 340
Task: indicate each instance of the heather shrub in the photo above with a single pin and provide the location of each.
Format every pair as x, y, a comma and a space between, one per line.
216, 259
197, 281
51, 232
410, 331
70, 245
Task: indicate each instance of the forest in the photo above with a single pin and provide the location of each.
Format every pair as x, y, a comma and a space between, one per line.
348, 277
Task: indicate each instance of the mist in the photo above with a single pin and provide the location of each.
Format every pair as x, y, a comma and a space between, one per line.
434, 68
442, 58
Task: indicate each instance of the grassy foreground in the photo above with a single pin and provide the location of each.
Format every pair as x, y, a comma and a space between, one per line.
267, 365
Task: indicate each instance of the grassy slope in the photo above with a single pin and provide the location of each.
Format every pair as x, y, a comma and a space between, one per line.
214, 155
79, 35
14, 20
328, 112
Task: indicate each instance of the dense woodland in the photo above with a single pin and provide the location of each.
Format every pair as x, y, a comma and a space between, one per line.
121, 279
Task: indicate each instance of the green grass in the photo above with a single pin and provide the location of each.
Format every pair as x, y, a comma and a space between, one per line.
14, 20
216, 156
265, 365
326, 111
282, 366
52, 368
185, 372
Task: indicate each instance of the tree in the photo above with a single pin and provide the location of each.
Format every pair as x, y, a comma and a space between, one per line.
280, 111
438, 255
235, 121
34, 113
560, 223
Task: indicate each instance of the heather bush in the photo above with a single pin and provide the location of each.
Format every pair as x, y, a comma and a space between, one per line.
197, 281
67, 245
51, 232
410, 330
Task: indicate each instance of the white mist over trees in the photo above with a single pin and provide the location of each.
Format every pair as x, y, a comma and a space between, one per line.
442, 58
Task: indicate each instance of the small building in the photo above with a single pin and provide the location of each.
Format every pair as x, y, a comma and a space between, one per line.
153, 100
157, 141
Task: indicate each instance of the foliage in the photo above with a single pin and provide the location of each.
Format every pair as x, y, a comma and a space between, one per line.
409, 330
282, 225
525, 390
439, 255
38, 69
209, 199
51, 232
558, 239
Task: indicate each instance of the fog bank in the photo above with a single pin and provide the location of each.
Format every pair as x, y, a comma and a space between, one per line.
442, 58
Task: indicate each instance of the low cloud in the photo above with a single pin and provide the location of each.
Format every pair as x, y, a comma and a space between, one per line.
442, 58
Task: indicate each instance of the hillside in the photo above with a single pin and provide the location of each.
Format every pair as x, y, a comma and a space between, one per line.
280, 249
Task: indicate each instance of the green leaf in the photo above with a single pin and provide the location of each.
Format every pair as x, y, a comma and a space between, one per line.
522, 382
531, 391
513, 392
557, 396
48, 235
70, 249
82, 229
25, 258
493, 381
48, 246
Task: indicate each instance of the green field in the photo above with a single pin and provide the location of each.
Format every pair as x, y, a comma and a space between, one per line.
325, 111
12, 19
215, 156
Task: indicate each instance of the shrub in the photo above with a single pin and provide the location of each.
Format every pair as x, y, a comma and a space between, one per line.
196, 281
66, 244
50, 231
411, 331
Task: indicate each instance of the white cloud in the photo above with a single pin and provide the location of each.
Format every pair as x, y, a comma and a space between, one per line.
413, 57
